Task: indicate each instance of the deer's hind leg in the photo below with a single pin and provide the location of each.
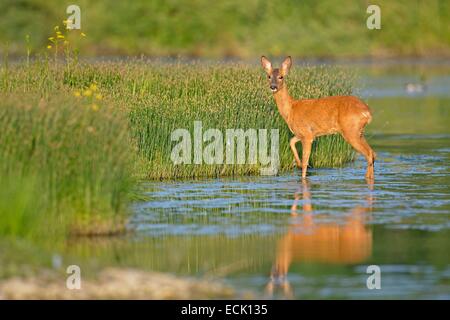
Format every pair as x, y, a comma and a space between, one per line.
306, 152
370, 158
355, 137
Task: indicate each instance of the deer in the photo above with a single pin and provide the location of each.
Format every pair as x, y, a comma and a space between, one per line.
308, 119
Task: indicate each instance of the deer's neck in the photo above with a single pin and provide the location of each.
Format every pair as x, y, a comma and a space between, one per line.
284, 102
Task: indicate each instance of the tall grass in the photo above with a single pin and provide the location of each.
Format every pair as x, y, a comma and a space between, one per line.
64, 166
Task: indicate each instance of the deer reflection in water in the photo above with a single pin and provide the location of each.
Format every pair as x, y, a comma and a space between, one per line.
309, 240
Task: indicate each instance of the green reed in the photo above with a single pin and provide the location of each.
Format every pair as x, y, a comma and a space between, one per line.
64, 166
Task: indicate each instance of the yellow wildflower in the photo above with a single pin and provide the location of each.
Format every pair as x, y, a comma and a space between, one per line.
98, 96
93, 87
49, 47
83, 34
51, 38
94, 107
68, 23
87, 92
60, 36
77, 94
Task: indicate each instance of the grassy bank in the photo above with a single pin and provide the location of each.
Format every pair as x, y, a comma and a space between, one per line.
74, 137
64, 166
308, 28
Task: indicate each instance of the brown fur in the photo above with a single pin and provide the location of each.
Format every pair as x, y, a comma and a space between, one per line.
311, 118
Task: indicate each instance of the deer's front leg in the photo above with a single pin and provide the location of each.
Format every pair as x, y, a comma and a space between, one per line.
292, 143
306, 148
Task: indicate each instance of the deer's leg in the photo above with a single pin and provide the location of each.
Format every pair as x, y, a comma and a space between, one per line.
292, 143
357, 141
370, 157
306, 148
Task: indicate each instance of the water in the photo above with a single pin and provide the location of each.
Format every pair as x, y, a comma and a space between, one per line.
316, 238
282, 238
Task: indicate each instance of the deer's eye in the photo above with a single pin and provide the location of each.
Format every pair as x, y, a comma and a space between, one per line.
269, 77
280, 77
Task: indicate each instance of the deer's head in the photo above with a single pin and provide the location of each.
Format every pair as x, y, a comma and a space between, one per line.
276, 76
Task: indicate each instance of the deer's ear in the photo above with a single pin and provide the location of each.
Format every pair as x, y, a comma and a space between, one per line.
286, 65
267, 66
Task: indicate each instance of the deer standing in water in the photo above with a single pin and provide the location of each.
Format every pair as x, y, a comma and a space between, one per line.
311, 118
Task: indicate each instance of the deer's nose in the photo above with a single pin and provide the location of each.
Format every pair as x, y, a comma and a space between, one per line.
272, 87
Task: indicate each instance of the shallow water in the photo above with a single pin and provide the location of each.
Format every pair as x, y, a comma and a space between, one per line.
283, 238
317, 237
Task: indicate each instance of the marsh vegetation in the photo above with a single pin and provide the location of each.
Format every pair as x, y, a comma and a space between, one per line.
78, 136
